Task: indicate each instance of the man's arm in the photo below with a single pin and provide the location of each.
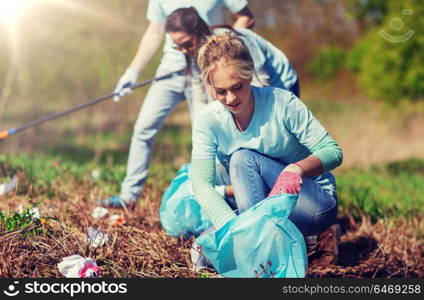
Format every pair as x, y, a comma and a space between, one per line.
149, 44
244, 19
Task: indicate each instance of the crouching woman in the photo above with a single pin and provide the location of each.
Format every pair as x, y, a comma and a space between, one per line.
267, 140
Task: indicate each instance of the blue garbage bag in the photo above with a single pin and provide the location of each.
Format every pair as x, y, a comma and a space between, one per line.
180, 214
260, 242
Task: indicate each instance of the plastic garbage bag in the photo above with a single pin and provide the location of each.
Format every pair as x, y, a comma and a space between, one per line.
99, 212
96, 237
34, 212
180, 214
96, 174
76, 266
260, 242
8, 186
117, 220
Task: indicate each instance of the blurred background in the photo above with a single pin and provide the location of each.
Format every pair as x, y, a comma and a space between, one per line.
359, 63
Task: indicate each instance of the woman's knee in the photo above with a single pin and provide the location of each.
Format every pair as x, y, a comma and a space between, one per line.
143, 134
241, 160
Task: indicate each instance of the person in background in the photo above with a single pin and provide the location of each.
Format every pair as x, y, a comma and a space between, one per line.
189, 31
163, 95
267, 140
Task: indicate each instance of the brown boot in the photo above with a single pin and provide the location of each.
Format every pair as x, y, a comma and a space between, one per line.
325, 250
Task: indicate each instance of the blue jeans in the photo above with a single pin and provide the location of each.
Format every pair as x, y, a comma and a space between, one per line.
253, 175
161, 99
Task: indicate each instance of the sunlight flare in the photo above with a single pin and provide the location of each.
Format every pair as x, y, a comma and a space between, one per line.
10, 10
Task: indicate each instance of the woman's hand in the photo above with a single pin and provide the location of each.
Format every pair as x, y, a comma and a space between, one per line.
123, 87
289, 181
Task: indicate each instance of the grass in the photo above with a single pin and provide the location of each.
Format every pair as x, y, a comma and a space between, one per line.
140, 248
15, 220
383, 204
5, 179
7, 173
76, 156
46, 176
369, 132
392, 190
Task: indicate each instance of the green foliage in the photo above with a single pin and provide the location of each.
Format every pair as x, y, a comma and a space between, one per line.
387, 191
204, 275
412, 166
16, 221
368, 11
327, 62
389, 64
355, 56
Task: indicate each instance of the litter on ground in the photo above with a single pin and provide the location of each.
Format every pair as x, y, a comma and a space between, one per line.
99, 212
76, 266
8, 186
116, 220
96, 237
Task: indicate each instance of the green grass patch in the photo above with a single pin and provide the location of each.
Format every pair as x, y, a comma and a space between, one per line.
48, 175
15, 220
396, 189
24, 222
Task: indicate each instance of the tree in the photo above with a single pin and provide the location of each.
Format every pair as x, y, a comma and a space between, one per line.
389, 57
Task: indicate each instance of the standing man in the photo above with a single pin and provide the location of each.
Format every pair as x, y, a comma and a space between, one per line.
164, 95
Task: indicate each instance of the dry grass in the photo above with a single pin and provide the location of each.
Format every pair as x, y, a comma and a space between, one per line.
142, 249
384, 249
370, 132
375, 137
137, 249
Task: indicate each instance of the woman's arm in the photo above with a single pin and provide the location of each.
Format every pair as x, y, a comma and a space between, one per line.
326, 155
149, 44
302, 124
325, 152
202, 174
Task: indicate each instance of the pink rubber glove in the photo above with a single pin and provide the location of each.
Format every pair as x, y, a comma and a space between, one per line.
289, 181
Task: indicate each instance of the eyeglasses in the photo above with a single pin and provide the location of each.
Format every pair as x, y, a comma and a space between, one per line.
185, 45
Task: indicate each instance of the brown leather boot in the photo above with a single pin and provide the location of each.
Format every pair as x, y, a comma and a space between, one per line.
325, 250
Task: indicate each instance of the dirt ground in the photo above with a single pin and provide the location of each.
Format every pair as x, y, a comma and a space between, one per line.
141, 248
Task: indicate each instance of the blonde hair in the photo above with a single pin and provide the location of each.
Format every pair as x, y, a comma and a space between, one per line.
225, 50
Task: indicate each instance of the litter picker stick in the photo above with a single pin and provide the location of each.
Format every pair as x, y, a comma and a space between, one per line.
5, 133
